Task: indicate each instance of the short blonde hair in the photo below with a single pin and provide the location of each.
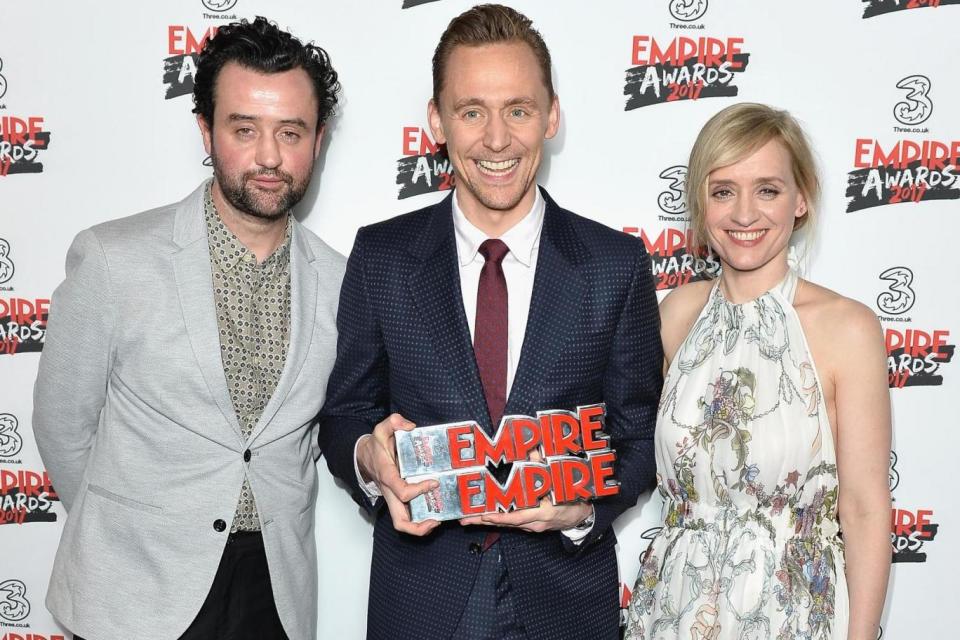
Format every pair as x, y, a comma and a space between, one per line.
733, 134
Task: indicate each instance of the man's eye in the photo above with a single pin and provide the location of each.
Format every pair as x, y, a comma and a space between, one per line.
518, 113
290, 136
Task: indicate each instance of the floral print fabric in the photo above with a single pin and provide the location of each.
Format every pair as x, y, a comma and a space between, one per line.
750, 546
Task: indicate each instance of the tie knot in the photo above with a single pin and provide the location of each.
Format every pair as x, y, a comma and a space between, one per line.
494, 250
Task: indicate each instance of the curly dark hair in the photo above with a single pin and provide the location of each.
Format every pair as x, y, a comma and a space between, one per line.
262, 46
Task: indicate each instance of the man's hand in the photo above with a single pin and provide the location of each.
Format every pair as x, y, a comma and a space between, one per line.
377, 461
546, 517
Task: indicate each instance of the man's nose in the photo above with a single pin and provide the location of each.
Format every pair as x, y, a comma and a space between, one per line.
496, 134
268, 152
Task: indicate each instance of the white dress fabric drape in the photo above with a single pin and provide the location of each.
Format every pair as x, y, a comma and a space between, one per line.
750, 546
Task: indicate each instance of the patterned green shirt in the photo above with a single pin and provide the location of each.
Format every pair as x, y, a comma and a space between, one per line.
253, 317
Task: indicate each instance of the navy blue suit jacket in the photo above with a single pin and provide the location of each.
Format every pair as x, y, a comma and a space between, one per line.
404, 346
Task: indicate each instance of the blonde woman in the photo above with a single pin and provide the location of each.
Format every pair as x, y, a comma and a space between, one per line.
773, 432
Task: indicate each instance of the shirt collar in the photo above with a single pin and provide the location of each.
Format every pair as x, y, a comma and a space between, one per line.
227, 250
523, 238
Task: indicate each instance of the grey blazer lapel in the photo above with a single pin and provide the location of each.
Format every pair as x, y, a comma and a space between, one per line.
303, 311
191, 268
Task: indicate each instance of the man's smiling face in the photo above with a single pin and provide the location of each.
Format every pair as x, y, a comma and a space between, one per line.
494, 114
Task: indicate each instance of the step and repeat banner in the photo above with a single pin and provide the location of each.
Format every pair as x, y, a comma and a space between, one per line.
95, 124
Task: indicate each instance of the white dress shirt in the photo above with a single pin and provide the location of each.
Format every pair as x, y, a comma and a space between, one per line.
519, 269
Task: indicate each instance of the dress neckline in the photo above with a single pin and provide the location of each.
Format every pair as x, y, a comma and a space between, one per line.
786, 289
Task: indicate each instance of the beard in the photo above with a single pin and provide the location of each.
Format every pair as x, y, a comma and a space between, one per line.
260, 204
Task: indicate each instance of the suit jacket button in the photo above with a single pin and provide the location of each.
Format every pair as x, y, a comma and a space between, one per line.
475, 548
219, 525
246, 455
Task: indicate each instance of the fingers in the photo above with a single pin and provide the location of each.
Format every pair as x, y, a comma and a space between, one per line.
393, 422
397, 492
377, 453
413, 489
376, 461
546, 517
388, 475
521, 518
406, 491
400, 516
534, 520
383, 432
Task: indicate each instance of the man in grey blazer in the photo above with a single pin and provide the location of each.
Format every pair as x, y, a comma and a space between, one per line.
186, 356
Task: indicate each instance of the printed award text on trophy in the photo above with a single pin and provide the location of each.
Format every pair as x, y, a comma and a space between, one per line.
572, 460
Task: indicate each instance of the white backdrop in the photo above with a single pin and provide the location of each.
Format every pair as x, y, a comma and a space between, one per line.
83, 92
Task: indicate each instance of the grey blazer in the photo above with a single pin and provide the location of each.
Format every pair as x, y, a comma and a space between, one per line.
135, 425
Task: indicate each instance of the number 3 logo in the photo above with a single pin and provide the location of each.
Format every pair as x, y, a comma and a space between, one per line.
899, 297
3, 81
672, 200
10, 440
6, 264
688, 10
13, 606
916, 106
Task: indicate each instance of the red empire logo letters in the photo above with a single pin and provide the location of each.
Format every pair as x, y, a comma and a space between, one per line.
559, 437
710, 52
182, 41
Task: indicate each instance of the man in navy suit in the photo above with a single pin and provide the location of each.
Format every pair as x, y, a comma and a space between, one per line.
494, 301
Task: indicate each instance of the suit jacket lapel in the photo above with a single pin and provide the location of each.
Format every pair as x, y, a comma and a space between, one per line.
558, 288
435, 286
303, 310
191, 267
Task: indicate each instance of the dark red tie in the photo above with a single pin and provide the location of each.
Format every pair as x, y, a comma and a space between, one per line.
490, 337
490, 329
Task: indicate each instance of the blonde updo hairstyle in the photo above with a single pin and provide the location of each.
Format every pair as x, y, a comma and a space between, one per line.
732, 135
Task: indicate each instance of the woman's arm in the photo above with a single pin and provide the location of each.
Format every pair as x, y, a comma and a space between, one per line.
862, 399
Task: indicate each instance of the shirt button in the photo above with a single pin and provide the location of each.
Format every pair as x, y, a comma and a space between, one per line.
246, 455
219, 525
475, 548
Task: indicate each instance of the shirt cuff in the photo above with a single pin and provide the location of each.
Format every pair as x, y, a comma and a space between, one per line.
370, 489
581, 531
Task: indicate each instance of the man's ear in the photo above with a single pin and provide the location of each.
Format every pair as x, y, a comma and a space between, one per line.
319, 141
436, 122
206, 131
553, 119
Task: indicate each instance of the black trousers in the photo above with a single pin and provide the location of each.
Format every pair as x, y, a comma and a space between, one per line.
240, 604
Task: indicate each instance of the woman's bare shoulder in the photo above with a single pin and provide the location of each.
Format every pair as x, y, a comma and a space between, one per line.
678, 311
835, 322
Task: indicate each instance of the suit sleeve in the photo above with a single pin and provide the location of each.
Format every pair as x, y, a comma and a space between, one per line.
631, 388
74, 368
358, 389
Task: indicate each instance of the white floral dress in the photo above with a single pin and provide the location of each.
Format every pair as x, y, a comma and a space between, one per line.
750, 547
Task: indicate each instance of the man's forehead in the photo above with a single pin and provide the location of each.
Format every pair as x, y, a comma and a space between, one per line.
501, 72
237, 80
285, 94
511, 51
